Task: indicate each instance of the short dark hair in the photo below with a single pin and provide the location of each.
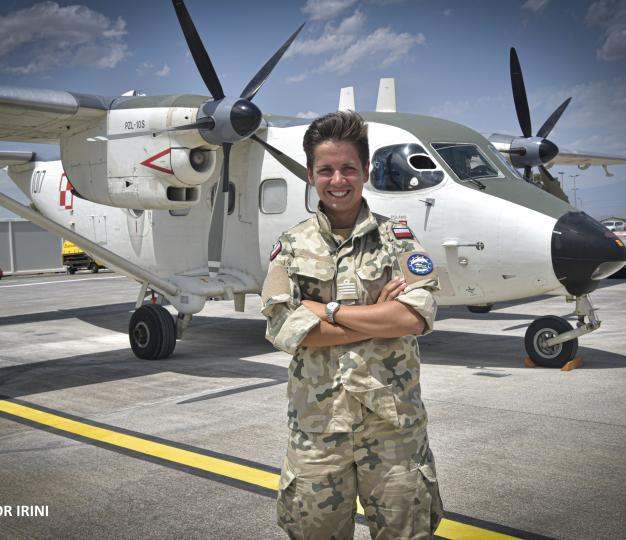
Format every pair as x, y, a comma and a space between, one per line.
340, 126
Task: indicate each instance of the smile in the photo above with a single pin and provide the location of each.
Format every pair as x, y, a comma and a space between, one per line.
338, 194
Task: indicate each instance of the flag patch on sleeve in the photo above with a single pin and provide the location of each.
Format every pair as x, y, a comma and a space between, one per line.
276, 249
402, 232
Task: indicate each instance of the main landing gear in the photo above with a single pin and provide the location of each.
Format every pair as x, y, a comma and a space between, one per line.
152, 329
552, 341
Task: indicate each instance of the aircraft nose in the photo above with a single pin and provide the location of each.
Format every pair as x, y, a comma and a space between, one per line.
547, 150
584, 252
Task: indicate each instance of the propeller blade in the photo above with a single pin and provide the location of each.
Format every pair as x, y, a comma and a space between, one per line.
216, 229
528, 174
290, 164
519, 95
225, 166
200, 56
551, 184
257, 81
548, 125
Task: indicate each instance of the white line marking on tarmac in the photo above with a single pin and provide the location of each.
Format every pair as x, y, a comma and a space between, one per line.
59, 281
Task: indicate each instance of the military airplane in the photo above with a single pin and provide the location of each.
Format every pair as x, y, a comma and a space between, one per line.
186, 194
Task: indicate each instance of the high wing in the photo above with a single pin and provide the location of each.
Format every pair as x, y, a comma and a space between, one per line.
40, 116
585, 159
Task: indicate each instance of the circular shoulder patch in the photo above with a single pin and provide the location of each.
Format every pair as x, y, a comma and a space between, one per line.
419, 264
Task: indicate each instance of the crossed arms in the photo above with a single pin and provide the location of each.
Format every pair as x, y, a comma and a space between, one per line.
385, 319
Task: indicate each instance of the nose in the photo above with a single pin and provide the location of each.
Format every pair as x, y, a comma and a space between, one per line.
584, 252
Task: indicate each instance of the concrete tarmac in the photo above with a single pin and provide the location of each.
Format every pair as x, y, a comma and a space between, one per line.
115, 447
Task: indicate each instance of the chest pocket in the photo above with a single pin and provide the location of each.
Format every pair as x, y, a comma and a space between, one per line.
372, 278
315, 278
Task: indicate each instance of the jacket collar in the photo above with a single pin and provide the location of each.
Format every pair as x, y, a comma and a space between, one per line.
365, 221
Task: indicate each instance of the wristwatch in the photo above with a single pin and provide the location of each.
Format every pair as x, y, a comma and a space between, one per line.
331, 309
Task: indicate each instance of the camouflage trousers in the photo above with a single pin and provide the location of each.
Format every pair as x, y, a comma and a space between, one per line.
391, 470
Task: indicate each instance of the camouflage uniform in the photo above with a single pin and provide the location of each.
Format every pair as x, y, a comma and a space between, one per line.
357, 421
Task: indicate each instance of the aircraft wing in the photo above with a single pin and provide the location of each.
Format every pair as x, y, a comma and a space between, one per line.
585, 159
40, 116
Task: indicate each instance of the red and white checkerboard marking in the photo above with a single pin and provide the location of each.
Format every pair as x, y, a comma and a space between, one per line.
66, 197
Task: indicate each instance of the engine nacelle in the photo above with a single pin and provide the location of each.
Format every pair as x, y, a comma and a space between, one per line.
162, 171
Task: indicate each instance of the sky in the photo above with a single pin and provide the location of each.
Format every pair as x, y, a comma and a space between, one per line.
450, 59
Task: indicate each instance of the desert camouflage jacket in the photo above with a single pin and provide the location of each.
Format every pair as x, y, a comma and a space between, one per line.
329, 386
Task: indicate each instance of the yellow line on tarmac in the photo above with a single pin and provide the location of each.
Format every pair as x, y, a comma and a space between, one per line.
452, 530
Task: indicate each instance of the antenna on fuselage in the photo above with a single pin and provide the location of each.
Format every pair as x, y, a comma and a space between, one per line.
386, 101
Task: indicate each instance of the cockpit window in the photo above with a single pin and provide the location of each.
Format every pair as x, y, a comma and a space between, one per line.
506, 163
403, 167
466, 160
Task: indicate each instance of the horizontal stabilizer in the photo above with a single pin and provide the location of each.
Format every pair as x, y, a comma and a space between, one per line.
15, 158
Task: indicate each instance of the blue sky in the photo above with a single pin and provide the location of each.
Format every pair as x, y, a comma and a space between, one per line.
449, 59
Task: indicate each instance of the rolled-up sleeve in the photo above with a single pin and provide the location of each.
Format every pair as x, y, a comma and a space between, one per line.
288, 321
419, 296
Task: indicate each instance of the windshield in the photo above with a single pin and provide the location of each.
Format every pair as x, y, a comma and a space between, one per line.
403, 167
466, 160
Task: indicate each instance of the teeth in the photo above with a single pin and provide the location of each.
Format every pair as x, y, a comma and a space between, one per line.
338, 193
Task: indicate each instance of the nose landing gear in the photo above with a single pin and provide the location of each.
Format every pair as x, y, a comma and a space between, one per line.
552, 342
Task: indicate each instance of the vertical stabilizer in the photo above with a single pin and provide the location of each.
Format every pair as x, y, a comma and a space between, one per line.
386, 101
346, 99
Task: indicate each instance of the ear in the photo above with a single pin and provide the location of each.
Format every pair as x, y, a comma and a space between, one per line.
366, 172
309, 172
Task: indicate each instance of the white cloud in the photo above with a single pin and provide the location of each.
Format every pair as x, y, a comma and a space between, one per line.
348, 43
297, 78
54, 35
610, 16
308, 115
535, 6
164, 71
382, 41
332, 38
326, 9
447, 12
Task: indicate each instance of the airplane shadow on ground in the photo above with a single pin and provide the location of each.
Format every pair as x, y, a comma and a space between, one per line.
217, 347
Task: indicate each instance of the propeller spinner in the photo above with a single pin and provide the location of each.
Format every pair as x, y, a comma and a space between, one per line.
529, 151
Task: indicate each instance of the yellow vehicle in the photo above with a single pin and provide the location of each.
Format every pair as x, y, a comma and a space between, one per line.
74, 258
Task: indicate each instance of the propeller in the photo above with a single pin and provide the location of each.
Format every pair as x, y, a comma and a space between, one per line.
528, 151
225, 121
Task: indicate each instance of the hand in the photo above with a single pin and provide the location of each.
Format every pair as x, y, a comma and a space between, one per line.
316, 307
394, 288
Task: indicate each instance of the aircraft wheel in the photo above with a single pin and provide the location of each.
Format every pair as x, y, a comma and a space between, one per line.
93, 268
539, 332
485, 308
152, 332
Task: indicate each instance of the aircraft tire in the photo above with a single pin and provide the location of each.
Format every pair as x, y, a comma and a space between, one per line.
93, 268
485, 308
545, 328
152, 332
